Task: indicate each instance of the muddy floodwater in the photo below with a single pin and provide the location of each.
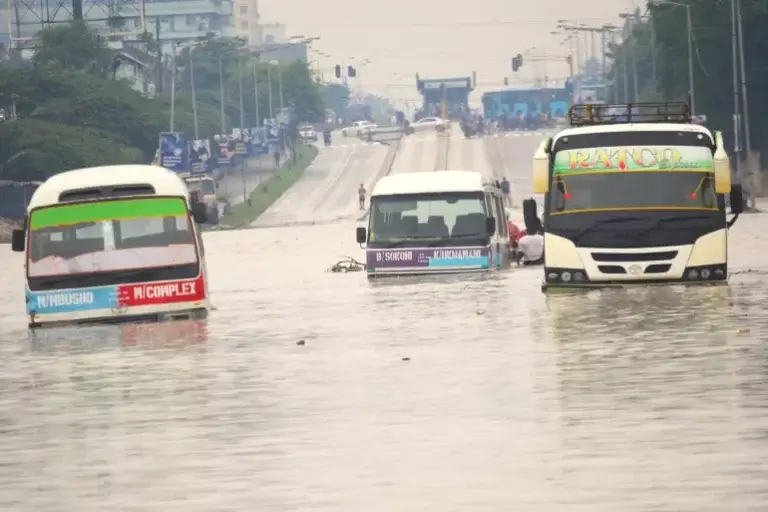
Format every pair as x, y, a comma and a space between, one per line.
312, 391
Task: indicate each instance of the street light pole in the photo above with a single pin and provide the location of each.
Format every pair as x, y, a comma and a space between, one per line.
280, 85
173, 87
256, 92
194, 97
269, 90
240, 86
221, 97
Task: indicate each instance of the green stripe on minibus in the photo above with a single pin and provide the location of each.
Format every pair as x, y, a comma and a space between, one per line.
64, 215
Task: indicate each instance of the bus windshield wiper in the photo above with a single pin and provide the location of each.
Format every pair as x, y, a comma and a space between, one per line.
599, 223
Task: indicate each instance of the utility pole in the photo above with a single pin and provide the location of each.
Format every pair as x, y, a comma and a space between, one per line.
736, 112
751, 170
605, 29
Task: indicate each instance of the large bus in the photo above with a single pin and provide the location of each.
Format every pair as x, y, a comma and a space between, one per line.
634, 194
435, 223
113, 244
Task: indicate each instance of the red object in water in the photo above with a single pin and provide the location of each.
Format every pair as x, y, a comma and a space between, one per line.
692, 195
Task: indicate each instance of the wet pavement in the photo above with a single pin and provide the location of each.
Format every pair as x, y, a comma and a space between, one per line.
454, 394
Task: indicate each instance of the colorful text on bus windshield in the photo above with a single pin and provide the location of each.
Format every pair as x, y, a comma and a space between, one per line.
634, 177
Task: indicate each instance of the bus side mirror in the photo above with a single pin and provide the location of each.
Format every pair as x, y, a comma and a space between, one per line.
199, 212
541, 168
361, 235
737, 199
722, 167
490, 226
17, 240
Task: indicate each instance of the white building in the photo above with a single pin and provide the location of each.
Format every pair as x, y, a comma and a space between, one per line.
247, 21
273, 33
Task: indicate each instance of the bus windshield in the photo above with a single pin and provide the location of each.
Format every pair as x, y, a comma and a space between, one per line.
633, 178
448, 218
100, 237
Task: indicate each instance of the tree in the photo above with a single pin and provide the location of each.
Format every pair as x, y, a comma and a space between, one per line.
300, 91
36, 150
75, 47
712, 61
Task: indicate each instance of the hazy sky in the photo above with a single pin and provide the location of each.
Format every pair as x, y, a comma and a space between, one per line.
439, 38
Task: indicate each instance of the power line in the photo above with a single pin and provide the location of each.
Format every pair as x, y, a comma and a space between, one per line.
458, 24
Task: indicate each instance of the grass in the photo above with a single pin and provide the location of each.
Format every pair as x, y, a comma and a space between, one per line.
243, 214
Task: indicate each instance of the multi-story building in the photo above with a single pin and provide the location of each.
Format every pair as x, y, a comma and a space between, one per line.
171, 21
247, 20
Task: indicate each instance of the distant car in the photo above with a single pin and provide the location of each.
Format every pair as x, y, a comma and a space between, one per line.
358, 128
428, 123
307, 133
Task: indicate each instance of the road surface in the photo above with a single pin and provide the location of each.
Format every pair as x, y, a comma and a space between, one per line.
327, 191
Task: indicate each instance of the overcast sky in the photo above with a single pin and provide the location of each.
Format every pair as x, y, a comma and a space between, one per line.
439, 38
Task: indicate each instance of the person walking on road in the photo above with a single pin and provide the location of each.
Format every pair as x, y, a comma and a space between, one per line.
276, 154
361, 196
505, 190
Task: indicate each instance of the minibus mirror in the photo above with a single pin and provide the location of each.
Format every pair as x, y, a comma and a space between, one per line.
17, 240
722, 167
490, 226
541, 168
199, 212
361, 235
736, 199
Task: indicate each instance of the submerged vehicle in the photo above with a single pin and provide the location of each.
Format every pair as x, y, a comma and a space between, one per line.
113, 244
435, 222
635, 194
202, 188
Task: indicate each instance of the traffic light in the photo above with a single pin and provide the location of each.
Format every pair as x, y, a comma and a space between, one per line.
517, 62
351, 72
338, 71
506, 81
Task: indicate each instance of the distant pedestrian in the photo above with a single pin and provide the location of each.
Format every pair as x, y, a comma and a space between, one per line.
276, 154
505, 189
361, 196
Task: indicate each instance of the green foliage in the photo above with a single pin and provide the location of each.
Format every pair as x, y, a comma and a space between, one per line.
36, 150
75, 47
299, 89
712, 61
336, 96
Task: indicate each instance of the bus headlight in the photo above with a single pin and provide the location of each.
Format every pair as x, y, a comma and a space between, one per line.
705, 273
565, 275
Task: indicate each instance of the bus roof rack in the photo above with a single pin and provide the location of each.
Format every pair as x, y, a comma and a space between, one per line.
624, 113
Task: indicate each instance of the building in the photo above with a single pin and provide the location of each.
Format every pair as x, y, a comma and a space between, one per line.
247, 21
169, 21
274, 33
286, 52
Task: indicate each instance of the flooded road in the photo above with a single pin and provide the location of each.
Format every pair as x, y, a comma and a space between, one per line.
455, 394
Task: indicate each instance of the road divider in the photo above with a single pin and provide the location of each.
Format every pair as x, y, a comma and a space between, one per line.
262, 197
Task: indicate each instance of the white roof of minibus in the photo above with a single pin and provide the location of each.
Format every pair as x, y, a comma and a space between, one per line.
634, 127
429, 182
165, 182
